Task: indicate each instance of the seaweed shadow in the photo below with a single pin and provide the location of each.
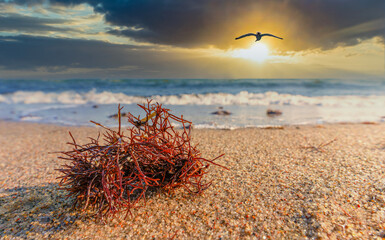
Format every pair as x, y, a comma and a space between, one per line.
35, 212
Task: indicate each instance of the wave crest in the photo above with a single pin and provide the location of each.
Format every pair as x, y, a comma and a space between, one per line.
242, 98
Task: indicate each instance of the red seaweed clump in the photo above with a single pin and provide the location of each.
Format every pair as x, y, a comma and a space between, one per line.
113, 174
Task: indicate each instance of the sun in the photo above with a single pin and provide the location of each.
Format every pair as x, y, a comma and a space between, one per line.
258, 52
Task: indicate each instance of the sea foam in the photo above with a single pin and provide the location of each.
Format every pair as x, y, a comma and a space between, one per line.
241, 98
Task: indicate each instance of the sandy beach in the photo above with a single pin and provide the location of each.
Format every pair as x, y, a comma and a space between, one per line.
299, 182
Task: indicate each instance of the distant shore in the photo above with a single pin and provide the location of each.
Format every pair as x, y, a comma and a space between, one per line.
292, 182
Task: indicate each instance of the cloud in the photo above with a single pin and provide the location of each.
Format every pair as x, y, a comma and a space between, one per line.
27, 52
195, 23
82, 42
26, 57
304, 24
18, 23
53, 58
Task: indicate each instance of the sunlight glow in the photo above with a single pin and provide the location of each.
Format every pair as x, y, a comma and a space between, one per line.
257, 52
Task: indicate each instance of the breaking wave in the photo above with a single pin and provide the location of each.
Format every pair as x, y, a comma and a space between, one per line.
241, 98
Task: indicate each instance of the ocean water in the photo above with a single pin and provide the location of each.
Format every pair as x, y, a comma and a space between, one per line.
301, 101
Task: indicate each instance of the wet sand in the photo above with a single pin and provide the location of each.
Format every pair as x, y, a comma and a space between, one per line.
303, 182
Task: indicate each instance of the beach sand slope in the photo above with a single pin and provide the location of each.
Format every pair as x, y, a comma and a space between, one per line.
303, 182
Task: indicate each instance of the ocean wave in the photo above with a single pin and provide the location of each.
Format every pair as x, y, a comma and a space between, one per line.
241, 98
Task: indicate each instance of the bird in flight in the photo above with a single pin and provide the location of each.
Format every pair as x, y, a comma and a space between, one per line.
258, 36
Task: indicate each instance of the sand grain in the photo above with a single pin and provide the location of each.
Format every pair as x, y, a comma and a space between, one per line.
283, 184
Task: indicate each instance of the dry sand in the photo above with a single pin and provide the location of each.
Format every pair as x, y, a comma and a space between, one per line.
291, 183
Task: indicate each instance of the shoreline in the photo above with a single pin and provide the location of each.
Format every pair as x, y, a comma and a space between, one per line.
265, 126
301, 181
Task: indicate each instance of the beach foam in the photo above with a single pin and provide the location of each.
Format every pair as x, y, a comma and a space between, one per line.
241, 98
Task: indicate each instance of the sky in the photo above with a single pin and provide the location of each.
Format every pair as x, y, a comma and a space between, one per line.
67, 39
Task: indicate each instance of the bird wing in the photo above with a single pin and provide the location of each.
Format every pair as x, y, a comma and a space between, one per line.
245, 35
270, 35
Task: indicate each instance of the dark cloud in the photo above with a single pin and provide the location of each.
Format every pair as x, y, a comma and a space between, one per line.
329, 23
304, 23
26, 52
23, 54
19, 23
49, 58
